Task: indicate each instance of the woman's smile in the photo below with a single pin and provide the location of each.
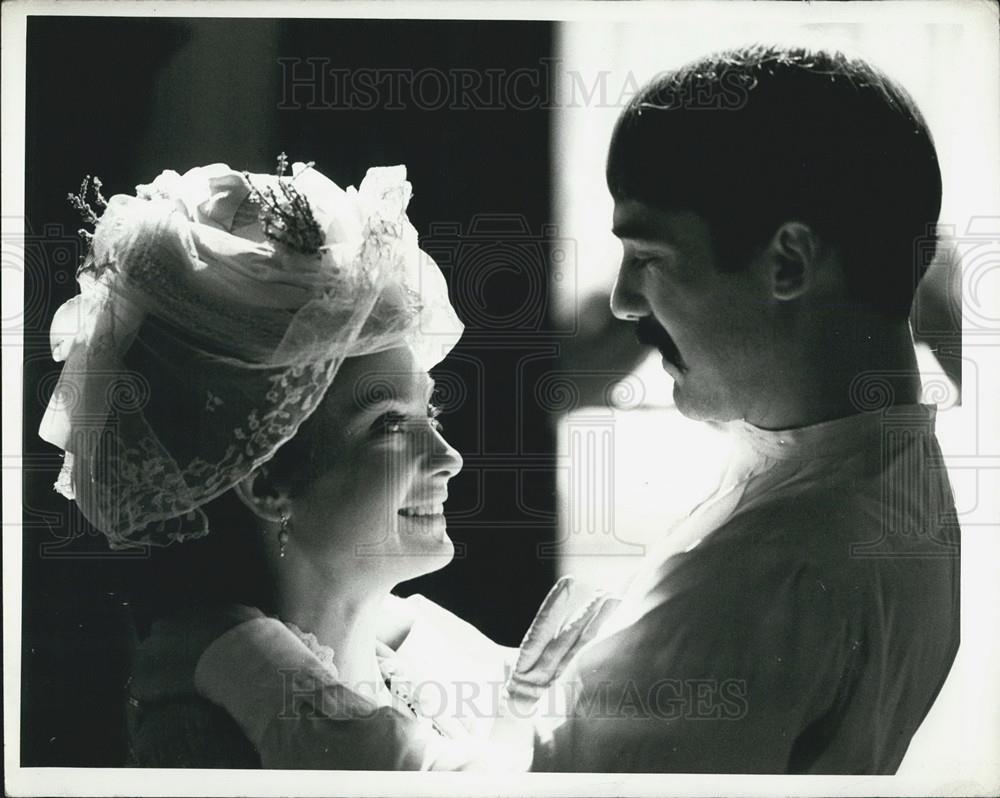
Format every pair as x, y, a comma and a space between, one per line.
424, 519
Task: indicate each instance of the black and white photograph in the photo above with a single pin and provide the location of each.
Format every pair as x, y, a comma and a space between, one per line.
501, 398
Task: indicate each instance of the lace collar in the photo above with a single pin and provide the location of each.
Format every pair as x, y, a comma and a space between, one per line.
393, 673
323, 653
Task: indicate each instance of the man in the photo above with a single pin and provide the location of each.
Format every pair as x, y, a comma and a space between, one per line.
774, 208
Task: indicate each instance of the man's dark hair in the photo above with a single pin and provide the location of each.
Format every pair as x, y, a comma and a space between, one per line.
758, 136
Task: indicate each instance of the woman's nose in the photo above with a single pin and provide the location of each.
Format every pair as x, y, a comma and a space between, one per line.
446, 459
627, 301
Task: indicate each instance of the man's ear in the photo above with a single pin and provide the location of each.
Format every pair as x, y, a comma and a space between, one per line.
792, 261
266, 503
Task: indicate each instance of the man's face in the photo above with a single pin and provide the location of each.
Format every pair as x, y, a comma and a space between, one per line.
714, 330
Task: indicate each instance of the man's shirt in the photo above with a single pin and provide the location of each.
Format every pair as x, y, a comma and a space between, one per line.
801, 620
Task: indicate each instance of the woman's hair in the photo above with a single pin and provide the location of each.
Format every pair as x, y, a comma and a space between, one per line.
754, 137
228, 566
211, 321
231, 564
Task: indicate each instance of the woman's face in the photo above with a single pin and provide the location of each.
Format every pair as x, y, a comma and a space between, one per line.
371, 506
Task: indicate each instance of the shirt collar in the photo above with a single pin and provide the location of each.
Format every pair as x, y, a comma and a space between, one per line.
836, 437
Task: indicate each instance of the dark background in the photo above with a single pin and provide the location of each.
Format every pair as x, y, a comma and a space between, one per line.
126, 98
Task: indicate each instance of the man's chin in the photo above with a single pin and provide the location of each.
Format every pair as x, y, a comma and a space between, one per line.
699, 407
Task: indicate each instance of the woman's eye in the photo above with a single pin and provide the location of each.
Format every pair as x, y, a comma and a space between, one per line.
391, 423
395, 423
433, 411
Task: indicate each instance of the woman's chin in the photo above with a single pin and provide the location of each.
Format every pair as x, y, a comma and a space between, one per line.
425, 559
439, 549
423, 532
424, 543
444, 555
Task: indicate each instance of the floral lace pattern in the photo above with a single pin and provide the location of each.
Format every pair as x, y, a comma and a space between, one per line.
196, 348
324, 654
396, 681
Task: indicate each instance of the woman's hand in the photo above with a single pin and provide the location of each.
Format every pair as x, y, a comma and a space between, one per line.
553, 639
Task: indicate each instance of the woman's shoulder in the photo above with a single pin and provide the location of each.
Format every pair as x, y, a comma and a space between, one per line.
186, 731
169, 724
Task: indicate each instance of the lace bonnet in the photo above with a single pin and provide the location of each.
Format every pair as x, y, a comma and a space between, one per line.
235, 298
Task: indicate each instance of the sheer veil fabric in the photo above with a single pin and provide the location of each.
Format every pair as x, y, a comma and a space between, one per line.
188, 306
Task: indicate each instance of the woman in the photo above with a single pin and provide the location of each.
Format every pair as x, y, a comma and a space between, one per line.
246, 371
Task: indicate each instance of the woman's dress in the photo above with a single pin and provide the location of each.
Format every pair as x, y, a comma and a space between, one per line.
444, 681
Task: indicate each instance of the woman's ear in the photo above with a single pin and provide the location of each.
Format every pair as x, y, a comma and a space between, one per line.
793, 260
266, 503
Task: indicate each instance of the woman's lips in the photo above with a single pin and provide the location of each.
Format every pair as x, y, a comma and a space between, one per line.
427, 518
433, 526
423, 510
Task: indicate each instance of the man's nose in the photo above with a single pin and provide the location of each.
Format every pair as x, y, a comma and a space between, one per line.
627, 301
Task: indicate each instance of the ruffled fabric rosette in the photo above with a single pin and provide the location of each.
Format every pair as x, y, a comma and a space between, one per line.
198, 344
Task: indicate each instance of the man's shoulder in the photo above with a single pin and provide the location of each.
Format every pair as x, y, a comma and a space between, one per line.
837, 526
767, 544
837, 553
802, 518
